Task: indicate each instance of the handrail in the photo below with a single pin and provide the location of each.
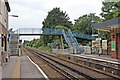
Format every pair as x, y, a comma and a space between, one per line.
51, 31
79, 50
66, 39
84, 36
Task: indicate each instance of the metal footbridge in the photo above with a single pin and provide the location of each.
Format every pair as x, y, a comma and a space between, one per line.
69, 36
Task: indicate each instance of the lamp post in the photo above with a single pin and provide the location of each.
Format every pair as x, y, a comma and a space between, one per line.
13, 15
92, 22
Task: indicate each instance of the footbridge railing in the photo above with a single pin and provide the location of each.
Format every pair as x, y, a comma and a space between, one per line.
50, 31
66, 39
79, 50
38, 31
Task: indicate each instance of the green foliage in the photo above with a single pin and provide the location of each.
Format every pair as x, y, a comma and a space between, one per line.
104, 35
38, 44
55, 19
61, 27
60, 20
34, 43
110, 9
45, 48
84, 24
26, 43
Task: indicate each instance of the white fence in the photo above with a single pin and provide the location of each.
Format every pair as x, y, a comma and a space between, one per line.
62, 51
87, 50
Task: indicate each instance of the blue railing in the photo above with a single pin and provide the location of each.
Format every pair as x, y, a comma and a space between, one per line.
83, 36
49, 31
29, 31
79, 50
66, 39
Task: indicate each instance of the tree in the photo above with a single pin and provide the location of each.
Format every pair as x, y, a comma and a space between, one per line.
84, 24
55, 18
110, 10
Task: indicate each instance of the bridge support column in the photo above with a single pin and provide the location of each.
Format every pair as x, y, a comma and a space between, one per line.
62, 42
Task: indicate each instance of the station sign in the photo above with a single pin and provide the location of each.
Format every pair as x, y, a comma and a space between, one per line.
95, 43
95, 35
13, 42
104, 44
113, 46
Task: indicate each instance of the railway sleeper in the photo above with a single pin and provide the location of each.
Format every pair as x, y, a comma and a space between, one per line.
71, 68
67, 74
103, 67
78, 71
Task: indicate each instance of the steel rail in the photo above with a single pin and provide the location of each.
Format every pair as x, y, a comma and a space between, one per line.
65, 64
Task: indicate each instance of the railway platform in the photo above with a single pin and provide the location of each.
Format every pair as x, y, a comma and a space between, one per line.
79, 68
106, 58
0, 72
21, 67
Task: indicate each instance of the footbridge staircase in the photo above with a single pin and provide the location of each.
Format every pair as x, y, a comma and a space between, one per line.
69, 36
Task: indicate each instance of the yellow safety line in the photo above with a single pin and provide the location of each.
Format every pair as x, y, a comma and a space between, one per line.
16, 71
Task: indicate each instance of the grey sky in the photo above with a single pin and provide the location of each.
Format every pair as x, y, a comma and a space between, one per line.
32, 12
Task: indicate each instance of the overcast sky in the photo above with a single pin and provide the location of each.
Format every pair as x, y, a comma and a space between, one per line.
32, 12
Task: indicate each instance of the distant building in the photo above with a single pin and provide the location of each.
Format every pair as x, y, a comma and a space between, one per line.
4, 9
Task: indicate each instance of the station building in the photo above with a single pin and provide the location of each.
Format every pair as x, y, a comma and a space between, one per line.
112, 26
4, 9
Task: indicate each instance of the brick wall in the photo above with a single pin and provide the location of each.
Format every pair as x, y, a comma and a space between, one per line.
115, 36
119, 45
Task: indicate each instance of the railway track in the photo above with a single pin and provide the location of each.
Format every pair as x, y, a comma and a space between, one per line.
110, 67
71, 70
47, 69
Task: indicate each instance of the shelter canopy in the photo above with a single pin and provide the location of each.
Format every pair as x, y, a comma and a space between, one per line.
108, 25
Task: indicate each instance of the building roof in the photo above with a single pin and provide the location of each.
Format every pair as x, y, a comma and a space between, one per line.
107, 25
7, 5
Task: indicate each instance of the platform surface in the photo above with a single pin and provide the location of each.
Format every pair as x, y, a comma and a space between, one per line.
107, 58
20, 67
0, 72
8, 67
28, 70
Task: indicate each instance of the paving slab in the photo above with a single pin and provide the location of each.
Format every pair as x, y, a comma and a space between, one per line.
7, 69
0, 72
20, 67
28, 70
